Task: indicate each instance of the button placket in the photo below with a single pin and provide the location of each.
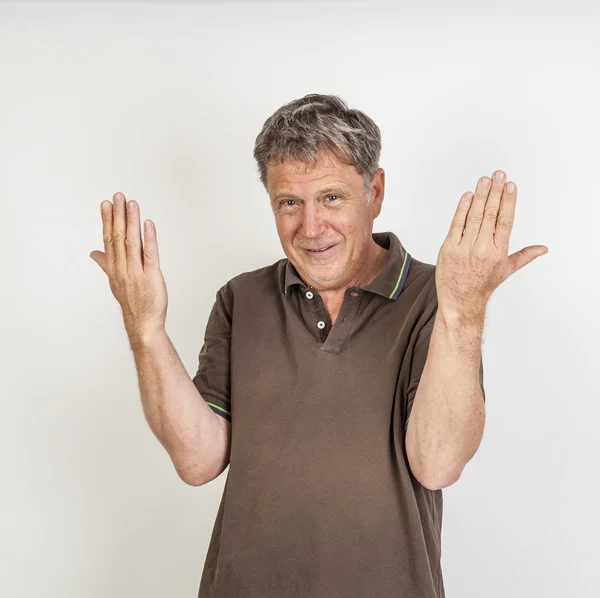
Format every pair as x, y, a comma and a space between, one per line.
349, 311
318, 309
323, 317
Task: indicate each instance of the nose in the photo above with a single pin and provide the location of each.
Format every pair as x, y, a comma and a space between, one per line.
312, 223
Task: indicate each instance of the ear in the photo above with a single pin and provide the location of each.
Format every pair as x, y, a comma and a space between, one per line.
377, 192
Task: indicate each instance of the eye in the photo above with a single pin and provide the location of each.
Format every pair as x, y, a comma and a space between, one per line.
284, 202
336, 196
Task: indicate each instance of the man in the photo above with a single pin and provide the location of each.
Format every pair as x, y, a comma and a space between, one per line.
345, 380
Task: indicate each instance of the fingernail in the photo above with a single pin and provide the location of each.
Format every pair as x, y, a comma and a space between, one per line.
510, 187
130, 206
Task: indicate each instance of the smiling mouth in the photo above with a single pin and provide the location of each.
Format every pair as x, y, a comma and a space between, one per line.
323, 251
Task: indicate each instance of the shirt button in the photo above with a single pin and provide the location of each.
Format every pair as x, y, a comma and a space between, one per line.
309, 295
321, 324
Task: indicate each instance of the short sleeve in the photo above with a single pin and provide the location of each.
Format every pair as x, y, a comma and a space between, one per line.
213, 377
418, 363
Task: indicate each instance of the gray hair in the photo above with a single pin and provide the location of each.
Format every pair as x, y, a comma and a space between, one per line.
300, 129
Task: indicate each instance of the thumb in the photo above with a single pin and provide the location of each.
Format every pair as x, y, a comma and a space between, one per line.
521, 258
100, 258
534, 251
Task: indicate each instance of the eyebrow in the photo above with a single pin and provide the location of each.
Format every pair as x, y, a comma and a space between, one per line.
329, 189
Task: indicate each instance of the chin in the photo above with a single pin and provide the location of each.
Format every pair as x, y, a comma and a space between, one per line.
325, 274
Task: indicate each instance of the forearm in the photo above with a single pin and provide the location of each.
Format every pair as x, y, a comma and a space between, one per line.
181, 420
448, 413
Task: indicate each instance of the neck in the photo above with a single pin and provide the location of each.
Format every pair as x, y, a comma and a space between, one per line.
369, 270
375, 263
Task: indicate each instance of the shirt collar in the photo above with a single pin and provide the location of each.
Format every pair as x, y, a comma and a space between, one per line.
389, 282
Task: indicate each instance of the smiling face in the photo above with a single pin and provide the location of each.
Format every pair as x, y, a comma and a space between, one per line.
325, 208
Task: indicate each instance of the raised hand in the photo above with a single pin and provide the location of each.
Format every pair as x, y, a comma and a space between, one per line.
474, 260
133, 270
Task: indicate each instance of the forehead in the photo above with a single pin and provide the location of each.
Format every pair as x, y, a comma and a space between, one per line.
293, 175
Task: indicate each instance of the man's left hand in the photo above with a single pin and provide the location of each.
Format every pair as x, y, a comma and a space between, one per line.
474, 260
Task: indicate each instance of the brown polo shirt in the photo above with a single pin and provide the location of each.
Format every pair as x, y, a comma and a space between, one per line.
319, 500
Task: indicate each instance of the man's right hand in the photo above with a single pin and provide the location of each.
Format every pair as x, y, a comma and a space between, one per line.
133, 270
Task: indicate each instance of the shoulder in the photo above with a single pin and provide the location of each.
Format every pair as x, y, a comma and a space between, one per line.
420, 282
421, 298
264, 281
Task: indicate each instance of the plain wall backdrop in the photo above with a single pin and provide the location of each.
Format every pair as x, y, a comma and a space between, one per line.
163, 101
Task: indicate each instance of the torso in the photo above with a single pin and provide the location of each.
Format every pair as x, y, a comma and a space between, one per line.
319, 497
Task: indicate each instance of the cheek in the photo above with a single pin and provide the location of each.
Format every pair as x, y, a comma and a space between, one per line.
350, 218
286, 230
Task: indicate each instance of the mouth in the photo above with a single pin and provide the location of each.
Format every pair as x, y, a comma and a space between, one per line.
321, 252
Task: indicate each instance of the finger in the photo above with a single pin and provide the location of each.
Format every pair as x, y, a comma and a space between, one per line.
119, 231
518, 260
133, 240
506, 217
475, 215
457, 225
107, 219
492, 207
151, 257
100, 259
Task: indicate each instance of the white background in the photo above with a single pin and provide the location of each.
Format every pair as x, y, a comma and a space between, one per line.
163, 102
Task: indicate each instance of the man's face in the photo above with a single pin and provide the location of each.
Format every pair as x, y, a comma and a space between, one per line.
324, 208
